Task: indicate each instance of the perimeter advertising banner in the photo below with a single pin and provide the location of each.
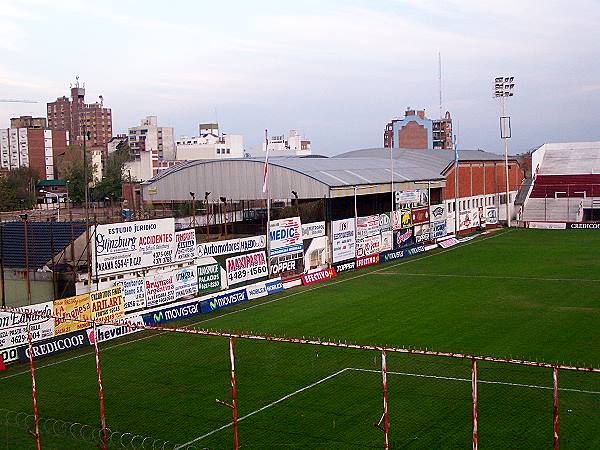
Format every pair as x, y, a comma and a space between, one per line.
318, 276
56, 345
288, 265
186, 282
404, 238
369, 245
343, 239
77, 307
175, 312
469, 219
367, 261
285, 236
401, 219
437, 213
160, 289
246, 267
133, 292
367, 226
126, 326
209, 278
108, 304
185, 245
345, 266
422, 233
230, 246
128, 246
274, 286
257, 290
13, 326
223, 300
491, 213
438, 230
313, 230
420, 215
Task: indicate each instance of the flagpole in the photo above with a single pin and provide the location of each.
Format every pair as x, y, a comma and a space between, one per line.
392, 164
266, 186
456, 204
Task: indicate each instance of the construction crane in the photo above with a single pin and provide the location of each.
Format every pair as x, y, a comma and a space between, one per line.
11, 100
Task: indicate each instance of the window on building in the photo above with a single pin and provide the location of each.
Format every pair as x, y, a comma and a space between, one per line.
228, 151
218, 151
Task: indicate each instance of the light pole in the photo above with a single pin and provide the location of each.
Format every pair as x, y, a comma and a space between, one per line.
224, 200
193, 221
24, 219
503, 88
42, 191
206, 194
295, 194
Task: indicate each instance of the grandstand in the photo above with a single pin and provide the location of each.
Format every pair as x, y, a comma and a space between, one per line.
566, 183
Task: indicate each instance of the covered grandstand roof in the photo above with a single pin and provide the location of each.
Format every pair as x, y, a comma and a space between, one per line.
569, 158
242, 179
438, 160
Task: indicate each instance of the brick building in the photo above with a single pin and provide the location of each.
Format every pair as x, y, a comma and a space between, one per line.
73, 115
32, 146
417, 131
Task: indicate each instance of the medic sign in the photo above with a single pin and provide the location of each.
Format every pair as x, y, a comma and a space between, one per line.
286, 236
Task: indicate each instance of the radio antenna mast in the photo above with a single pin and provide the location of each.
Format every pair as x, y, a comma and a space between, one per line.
440, 80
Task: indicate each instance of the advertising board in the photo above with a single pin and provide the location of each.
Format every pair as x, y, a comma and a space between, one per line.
404, 238
367, 226
491, 213
160, 289
223, 300
55, 345
469, 219
175, 312
108, 304
285, 236
209, 278
368, 246
420, 215
438, 230
422, 233
313, 230
242, 245
367, 261
548, 225
318, 276
437, 213
185, 245
391, 256
127, 325
345, 266
77, 307
134, 293
13, 326
274, 286
257, 290
246, 267
10, 355
343, 240
288, 265
128, 246
186, 281
387, 241
446, 243
385, 222
582, 226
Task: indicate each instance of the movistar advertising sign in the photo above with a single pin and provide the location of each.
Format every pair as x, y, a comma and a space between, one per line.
223, 300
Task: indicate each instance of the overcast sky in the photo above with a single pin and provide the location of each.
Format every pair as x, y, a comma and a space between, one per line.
335, 70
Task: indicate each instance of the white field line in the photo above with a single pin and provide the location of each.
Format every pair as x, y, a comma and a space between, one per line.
499, 277
358, 369
479, 380
319, 286
298, 391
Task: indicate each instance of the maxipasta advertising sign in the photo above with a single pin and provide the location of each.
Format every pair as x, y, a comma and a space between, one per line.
108, 304
128, 246
246, 267
13, 326
77, 307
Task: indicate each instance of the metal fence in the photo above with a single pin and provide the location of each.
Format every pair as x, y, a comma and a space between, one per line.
190, 388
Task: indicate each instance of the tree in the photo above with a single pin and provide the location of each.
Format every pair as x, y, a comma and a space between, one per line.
18, 189
111, 184
71, 169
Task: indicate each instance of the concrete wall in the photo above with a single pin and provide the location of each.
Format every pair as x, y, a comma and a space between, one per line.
15, 289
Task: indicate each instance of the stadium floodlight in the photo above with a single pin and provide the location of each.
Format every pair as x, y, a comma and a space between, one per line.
503, 88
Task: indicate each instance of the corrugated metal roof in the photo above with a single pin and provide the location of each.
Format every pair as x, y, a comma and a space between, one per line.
43, 237
332, 172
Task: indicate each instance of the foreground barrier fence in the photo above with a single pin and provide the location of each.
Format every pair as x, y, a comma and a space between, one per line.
189, 388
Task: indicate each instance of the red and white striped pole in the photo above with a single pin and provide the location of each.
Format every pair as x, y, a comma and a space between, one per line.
474, 402
33, 392
555, 377
233, 395
100, 391
385, 402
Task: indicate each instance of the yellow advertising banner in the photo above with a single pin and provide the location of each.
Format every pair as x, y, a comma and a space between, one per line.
108, 304
77, 307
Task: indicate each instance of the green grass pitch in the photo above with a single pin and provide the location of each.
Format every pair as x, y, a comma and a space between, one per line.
522, 293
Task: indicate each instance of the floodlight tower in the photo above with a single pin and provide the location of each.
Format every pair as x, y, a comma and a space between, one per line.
503, 88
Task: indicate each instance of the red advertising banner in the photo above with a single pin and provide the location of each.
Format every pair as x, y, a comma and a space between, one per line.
316, 277
367, 261
420, 215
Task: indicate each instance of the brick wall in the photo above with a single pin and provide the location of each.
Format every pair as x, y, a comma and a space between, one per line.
479, 178
412, 135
